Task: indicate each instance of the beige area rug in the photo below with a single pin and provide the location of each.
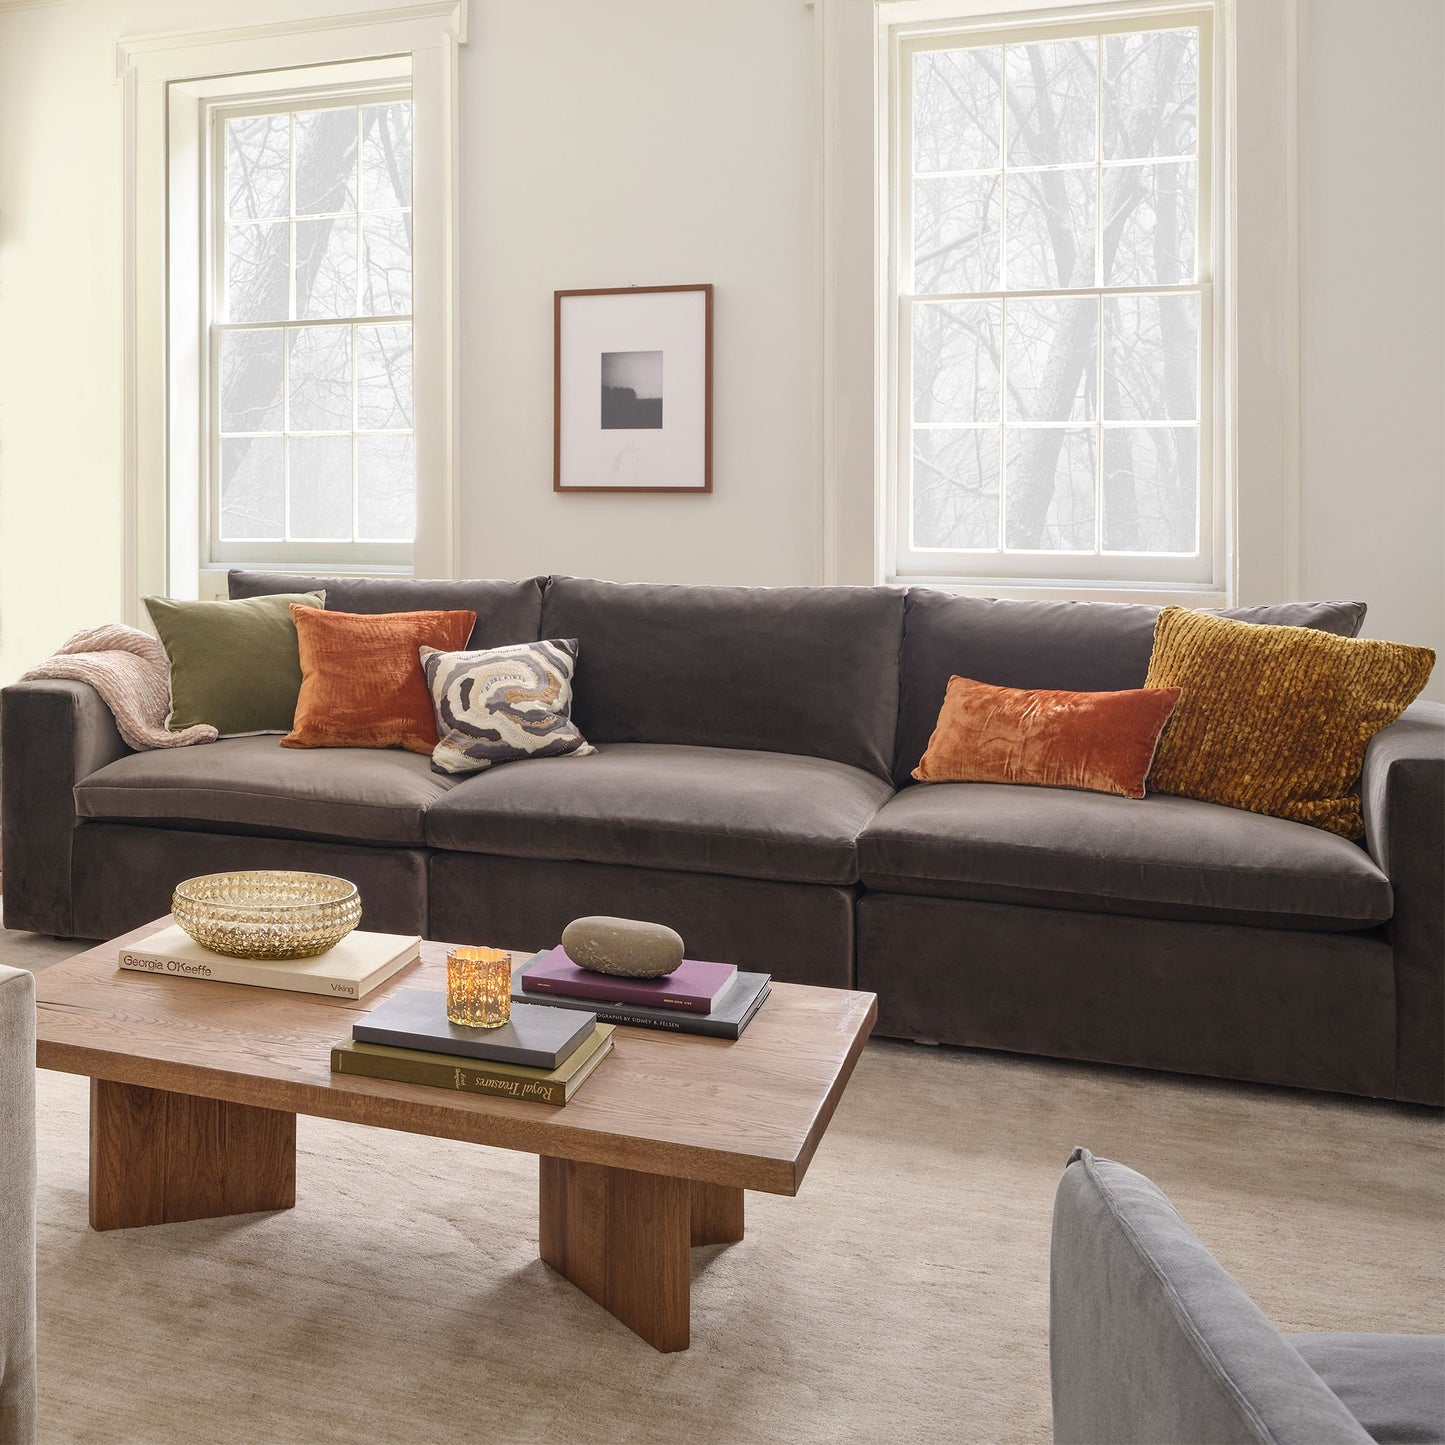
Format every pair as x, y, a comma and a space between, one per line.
903, 1296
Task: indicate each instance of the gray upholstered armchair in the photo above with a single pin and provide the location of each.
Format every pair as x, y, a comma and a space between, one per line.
1150, 1341
17, 1207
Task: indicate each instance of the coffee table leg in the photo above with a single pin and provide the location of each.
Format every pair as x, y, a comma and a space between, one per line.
158, 1157
717, 1213
622, 1238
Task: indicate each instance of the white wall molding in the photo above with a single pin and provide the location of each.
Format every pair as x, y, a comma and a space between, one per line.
160, 545
1263, 203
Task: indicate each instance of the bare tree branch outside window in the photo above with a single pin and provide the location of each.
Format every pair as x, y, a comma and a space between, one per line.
1055, 401
315, 410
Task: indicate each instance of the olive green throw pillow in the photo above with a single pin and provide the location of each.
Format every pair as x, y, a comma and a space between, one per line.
234, 665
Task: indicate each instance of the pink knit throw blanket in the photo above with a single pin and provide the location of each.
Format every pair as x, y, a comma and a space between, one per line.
129, 669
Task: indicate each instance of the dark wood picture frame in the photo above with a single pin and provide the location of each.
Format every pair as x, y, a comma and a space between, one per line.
559, 297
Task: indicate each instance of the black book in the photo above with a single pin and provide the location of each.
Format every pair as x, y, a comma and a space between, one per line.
733, 1013
537, 1036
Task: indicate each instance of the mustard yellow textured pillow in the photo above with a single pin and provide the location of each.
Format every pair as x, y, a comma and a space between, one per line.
1275, 719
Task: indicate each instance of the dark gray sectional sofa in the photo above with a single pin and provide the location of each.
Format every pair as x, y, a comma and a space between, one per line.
751, 789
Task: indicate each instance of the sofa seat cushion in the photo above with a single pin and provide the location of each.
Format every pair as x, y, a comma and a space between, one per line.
1394, 1385
658, 805
1159, 857
254, 784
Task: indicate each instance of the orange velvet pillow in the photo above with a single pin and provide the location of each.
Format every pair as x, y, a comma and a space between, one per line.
361, 680
1103, 742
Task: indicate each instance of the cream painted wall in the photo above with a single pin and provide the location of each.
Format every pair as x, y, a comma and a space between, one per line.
641, 142
633, 142
592, 156
1372, 143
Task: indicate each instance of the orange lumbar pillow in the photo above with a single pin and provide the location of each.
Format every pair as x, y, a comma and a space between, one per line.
361, 680
1103, 742
1276, 719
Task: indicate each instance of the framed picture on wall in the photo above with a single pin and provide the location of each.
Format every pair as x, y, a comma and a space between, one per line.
632, 403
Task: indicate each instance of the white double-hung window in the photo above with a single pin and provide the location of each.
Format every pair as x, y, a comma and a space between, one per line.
1052, 306
311, 456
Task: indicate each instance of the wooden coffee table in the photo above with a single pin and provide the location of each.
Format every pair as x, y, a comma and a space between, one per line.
195, 1088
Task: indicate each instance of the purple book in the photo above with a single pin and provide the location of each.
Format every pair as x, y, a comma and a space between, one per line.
692, 987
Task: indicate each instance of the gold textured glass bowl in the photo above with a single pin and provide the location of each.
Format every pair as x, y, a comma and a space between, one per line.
266, 913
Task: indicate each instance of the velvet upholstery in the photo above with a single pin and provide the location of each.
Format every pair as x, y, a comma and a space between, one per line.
52, 733
256, 785
1158, 856
1394, 1385
1402, 793
1150, 1340
1316, 1010
798, 932
1276, 719
17, 1208
1102, 742
1317, 999
805, 670
125, 873
506, 611
362, 684
651, 805
1081, 646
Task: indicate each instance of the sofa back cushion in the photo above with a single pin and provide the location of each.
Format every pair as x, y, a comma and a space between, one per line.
506, 611
805, 670
1079, 646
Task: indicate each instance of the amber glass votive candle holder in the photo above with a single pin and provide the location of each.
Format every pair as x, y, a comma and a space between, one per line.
479, 987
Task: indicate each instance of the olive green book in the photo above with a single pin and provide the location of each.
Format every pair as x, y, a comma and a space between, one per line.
472, 1076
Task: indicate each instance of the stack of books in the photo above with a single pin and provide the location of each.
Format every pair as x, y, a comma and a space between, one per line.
716, 999
542, 1054
350, 969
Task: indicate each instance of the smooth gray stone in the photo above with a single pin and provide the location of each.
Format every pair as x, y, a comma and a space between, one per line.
627, 947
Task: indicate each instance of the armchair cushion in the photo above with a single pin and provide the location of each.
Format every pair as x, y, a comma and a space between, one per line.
1394, 1385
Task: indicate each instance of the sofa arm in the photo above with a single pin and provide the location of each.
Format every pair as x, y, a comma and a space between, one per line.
1402, 792
17, 1206
53, 733
1150, 1340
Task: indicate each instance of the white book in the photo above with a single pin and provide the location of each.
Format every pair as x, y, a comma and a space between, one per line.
351, 969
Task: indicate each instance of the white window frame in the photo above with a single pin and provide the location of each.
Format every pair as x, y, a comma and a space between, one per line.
1197, 579
332, 86
170, 84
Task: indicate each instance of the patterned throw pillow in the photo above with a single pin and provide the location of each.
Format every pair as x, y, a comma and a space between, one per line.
503, 704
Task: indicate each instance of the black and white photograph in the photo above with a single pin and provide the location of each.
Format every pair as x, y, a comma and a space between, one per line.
631, 390
632, 409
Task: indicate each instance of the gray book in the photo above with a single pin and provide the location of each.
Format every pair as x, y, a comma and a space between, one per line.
537, 1036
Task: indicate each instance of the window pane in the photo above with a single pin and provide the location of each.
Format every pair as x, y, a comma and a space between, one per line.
386, 251
386, 489
955, 361
1049, 489
383, 376
326, 268
257, 272
1151, 94
325, 161
1151, 358
1151, 489
386, 156
1050, 352
320, 382
258, 166
956, 110
251, 380
1149, 222
252, 489
955, 488
1050, 229
1051, 102
320, 487
956, 234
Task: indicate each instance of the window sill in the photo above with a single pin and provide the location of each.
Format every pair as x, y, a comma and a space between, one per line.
1011, 590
